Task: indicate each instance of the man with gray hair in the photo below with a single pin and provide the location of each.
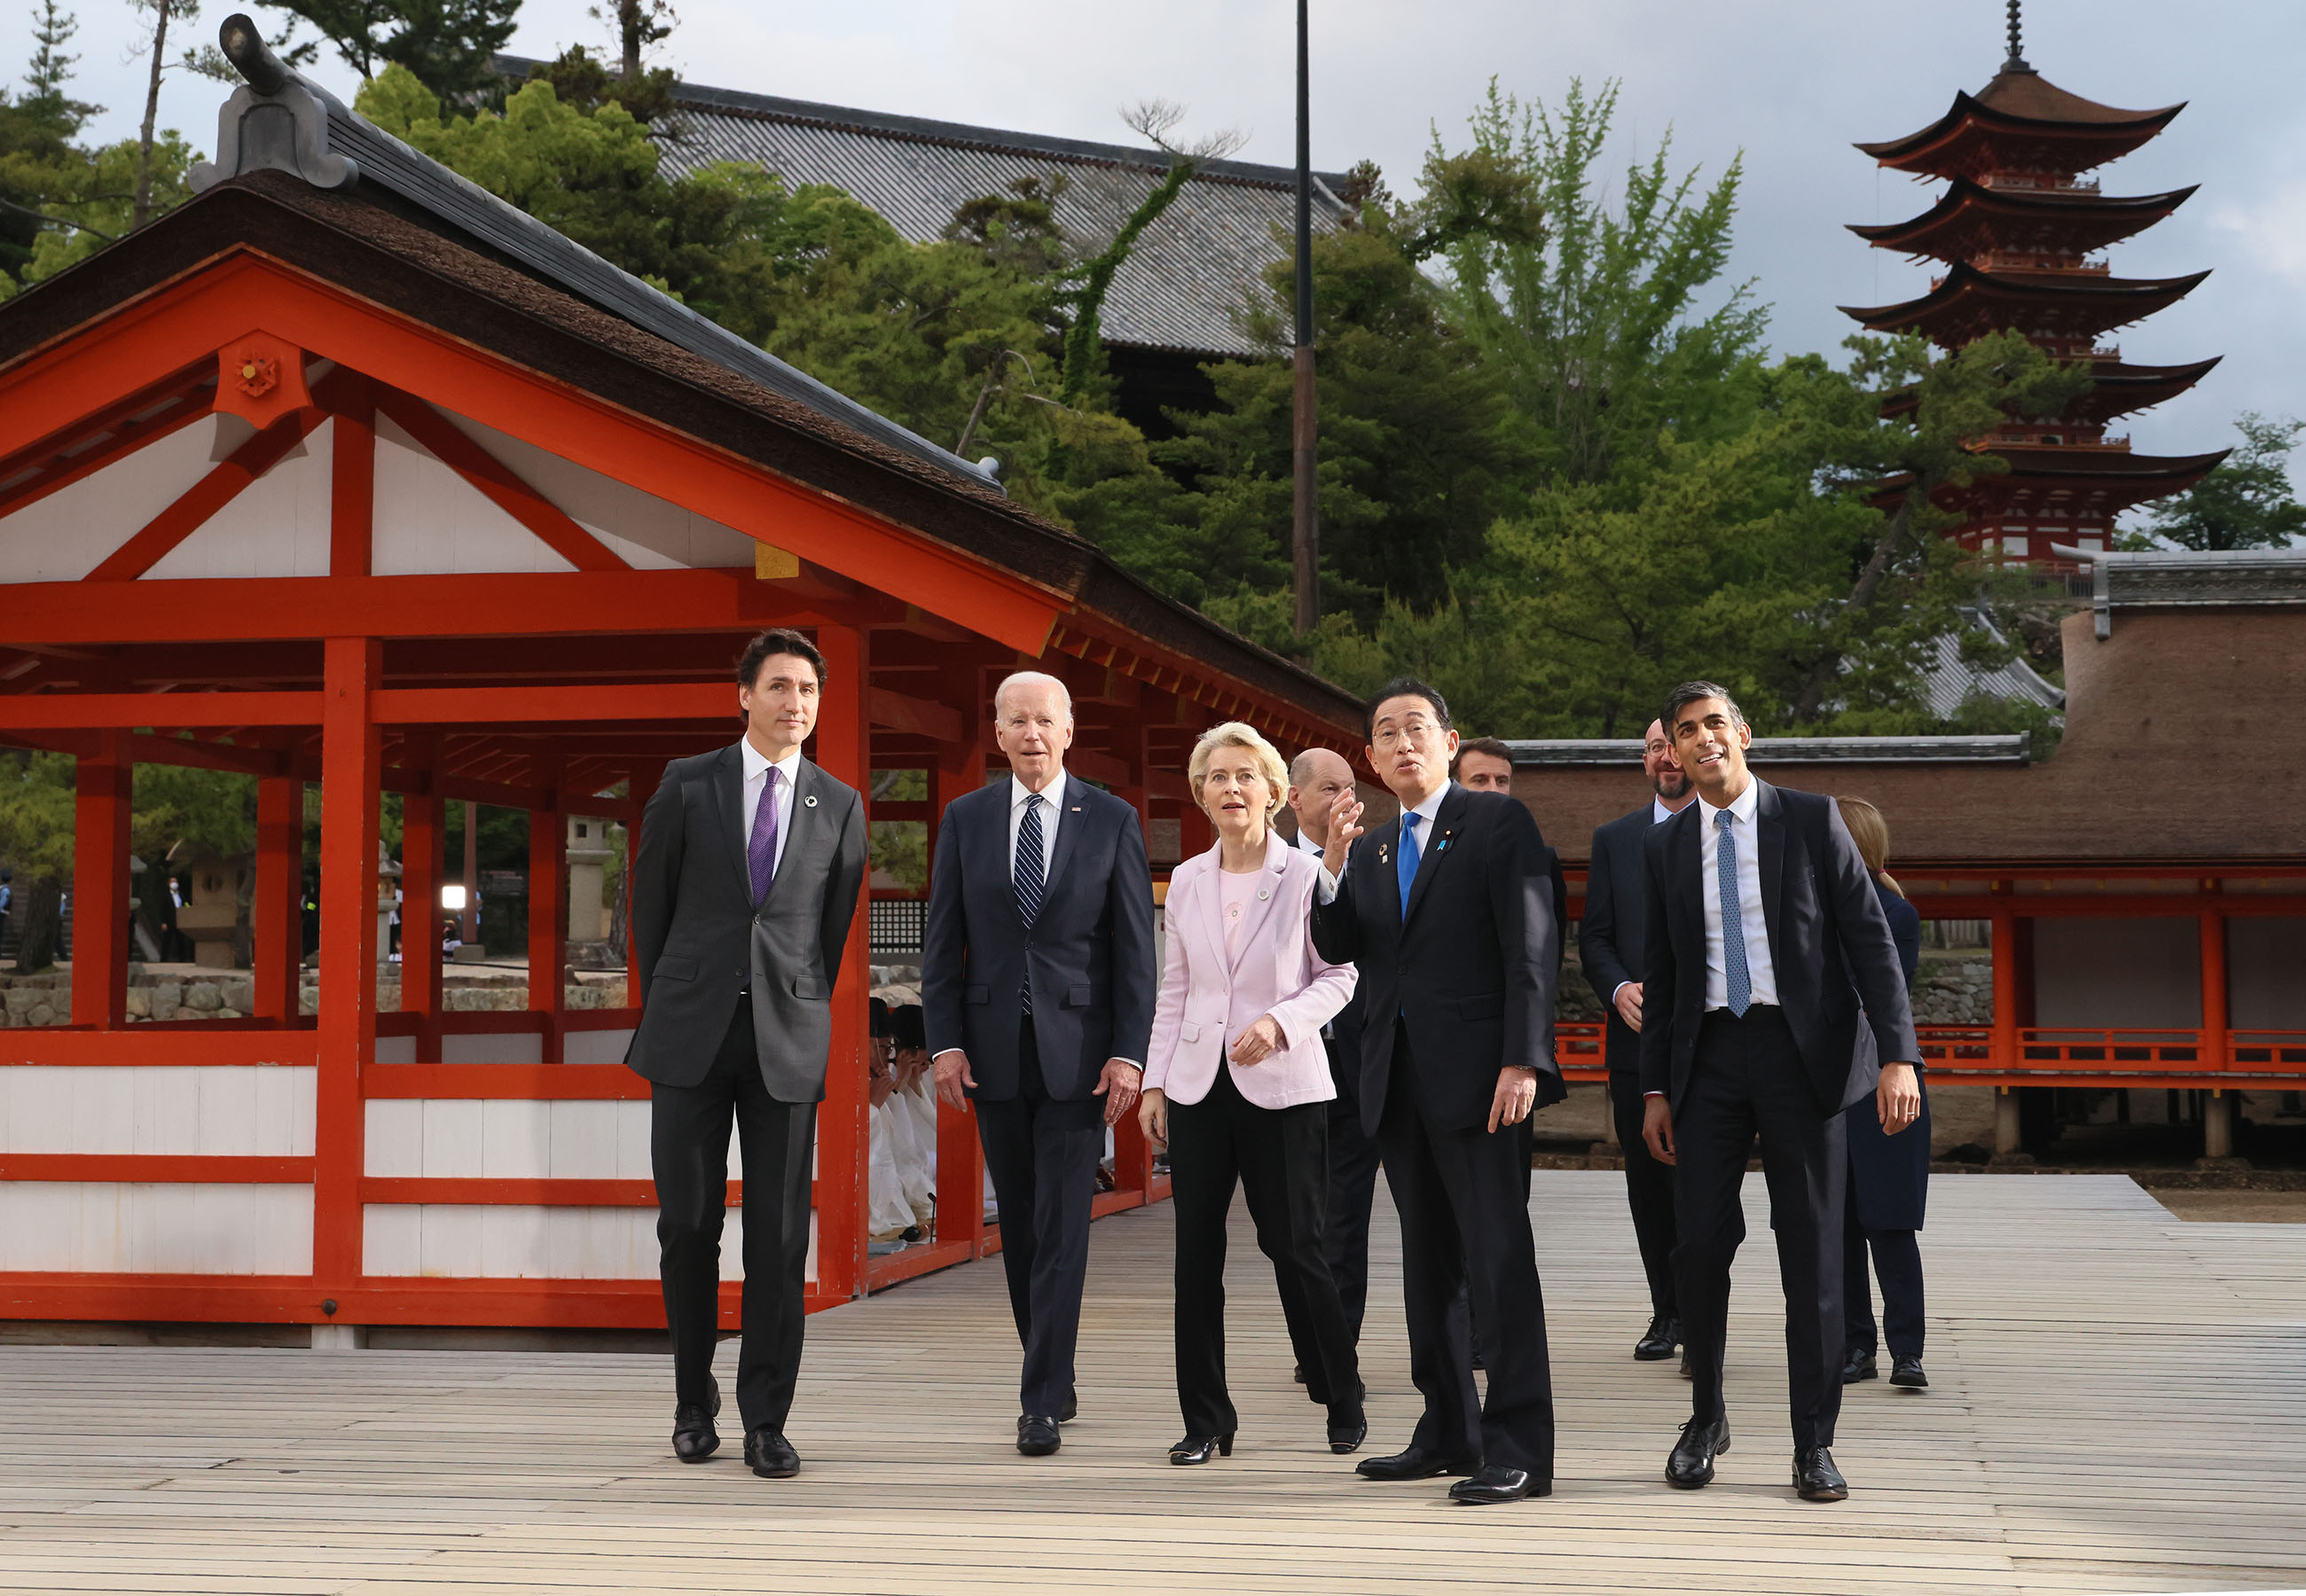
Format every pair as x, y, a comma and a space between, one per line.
1037, 986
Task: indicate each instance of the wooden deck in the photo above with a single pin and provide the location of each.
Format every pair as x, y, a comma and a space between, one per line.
2119, 1404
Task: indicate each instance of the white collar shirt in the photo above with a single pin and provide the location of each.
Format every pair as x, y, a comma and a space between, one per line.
1305, 842
757, 776
1425, 813
1053, 806
1659, 812
1760, 973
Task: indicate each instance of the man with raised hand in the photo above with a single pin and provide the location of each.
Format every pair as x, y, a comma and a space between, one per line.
1038, 985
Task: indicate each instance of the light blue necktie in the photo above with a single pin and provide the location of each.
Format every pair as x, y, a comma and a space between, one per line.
1733, 924
1405, 861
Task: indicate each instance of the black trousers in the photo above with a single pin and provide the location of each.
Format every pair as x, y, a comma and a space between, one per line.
688, 1151
1649, 1192
1747, 1082
1464, 1235
1897, 1261
1279, 1157
1353, 1191
1043, 1157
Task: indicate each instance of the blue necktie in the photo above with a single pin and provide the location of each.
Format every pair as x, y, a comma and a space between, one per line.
1733, 922
1031, 875
1405, 861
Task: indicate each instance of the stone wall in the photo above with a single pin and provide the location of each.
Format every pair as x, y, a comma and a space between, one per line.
45, 999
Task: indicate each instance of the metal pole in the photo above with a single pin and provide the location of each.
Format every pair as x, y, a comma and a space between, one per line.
1306, 539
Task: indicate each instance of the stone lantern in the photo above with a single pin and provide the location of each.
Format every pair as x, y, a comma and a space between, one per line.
209, 918
589, 855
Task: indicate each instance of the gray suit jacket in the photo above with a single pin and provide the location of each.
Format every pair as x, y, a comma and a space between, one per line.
702, 940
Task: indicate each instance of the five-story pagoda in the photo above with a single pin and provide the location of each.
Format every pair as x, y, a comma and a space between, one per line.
2017, 228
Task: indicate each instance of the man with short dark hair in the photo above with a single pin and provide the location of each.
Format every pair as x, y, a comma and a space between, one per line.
1612, 942
746, 880
1483, 765
1448, 913
1769, 961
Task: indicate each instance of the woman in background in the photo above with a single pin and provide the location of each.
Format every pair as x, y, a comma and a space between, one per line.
1889, 1176
1236, 1087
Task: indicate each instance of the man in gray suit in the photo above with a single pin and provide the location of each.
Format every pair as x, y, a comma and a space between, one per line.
750, 864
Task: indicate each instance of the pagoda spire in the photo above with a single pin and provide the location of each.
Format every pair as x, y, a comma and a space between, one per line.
2017, 61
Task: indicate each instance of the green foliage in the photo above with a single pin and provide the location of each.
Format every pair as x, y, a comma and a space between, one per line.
2245, 503
37, 158
582, 80
99, 191
186, 813
446, 44
35, 813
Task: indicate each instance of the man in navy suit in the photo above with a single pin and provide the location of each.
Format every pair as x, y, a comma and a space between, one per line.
1612, 941
1449, 912
750, 864
1765, 938
1038, 984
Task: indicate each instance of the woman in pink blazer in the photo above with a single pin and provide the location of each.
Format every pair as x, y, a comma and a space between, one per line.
1235, 1081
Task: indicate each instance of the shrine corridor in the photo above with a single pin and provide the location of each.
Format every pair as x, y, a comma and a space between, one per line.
2119, 1404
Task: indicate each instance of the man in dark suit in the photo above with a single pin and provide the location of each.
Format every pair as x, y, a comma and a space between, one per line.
1765, 938
1038, 982
1316, 778
750, 864
1449, 912
1611, 941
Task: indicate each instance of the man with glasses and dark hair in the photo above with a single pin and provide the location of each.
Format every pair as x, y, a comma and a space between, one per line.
1449, 912
747, 877
1769, 963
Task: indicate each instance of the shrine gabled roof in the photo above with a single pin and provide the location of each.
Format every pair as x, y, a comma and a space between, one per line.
1186, 282
1968, 300
1970, 217
2020, 106
2116, 388
383, 246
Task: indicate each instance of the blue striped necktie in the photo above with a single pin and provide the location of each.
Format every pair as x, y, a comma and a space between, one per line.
1733, 921
1030, 877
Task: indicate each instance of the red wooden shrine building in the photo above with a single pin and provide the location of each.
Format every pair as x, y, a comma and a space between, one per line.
2017, 229
347, 473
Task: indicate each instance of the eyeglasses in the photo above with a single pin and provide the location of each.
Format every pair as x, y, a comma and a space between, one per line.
1414, 731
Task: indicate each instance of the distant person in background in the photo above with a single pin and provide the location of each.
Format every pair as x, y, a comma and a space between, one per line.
7, 903
1316, 778
1483, 765
1613, 942
1889, 1176
891, 1217
915, 1094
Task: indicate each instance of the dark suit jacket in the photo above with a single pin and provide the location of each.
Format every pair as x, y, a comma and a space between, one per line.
1090, 954
1470, 969
1613, 936
1892, 1171
702, 940
1830, 948
1342, 1038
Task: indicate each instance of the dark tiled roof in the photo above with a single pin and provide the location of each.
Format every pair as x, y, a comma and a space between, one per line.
1540, 753
1183, 286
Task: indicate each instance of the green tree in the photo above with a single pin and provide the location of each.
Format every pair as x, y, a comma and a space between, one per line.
206, 60
37, 157
449, 45
2245, 503
36, 842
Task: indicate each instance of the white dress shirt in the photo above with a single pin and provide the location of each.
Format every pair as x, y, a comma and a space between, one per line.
1750, 921
1425, 812
756, 777
1053, 802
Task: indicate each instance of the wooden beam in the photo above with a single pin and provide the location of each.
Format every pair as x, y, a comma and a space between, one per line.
103, 792
352, 481
277, 908
76, 711
351, 763
194, 507
494, 478
919, 717
143, 418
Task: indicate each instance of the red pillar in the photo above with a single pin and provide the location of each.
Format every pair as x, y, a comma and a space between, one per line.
351, 765
844, 1135
2216, 1018
103, 791
277, 909
352, 487
636, 802
422, 835
548, 909
960, 1155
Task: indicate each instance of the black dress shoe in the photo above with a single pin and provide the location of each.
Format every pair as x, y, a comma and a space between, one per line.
1656, 1346
1071, 1411
1859, 1366
1690, 1464
1298, 1374
1498, 1483
1415, 1463
694, 1438
1037, 1435
1816, 1478
769, 1454
1685, 1363
1907, 1373
1200, 1448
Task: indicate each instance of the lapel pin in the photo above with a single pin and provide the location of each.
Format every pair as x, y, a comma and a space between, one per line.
1263, 893
810, 800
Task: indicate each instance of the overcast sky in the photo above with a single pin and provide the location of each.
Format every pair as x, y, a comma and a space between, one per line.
1790, 82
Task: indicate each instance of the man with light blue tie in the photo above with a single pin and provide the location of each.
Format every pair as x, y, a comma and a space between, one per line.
1772, 988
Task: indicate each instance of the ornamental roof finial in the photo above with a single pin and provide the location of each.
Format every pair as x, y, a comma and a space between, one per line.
2017, 61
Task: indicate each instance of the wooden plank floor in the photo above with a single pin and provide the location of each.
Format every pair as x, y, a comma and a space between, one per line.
2119, 1404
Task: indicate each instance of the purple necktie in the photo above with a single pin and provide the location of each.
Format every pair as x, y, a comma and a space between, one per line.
761, 852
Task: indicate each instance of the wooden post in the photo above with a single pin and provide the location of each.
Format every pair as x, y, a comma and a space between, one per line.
844, 1135
276, 912
422, 836
351, 765
2005, 980
960, 1155
2216, 1051
469, 931
103, 791
548, 914
352, 493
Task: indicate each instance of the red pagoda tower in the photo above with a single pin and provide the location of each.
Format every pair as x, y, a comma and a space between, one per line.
2016, 228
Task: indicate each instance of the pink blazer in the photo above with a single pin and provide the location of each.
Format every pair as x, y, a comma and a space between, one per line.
1206, 1001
